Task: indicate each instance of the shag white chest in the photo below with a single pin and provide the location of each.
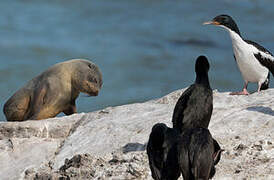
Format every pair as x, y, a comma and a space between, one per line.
250, 67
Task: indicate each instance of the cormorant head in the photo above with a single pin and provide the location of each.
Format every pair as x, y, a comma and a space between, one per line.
202, 65
157, 135
224, 21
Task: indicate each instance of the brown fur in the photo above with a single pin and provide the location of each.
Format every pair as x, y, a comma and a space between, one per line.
54, 91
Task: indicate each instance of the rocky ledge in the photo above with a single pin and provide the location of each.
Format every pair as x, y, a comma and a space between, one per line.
110, 143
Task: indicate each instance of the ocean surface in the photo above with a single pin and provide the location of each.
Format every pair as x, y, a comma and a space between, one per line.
144, 48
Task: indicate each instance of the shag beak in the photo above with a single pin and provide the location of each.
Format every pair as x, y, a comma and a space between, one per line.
211, 22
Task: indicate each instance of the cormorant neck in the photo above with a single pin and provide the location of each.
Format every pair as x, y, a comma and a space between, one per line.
202, 78
234, 30
236, 39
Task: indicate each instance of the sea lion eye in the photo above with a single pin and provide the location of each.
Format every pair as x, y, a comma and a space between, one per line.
95, 80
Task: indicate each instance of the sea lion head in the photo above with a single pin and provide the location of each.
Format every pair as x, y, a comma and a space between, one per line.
87, 77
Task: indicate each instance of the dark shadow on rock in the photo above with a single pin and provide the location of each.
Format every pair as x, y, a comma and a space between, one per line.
262, 109
130, 147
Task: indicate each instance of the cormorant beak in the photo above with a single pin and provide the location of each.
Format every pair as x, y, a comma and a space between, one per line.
212, 22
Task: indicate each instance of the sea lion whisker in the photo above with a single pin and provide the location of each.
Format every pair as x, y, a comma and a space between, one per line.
86, 95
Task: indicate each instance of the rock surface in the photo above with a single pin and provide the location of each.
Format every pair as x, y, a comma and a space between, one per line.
110, 143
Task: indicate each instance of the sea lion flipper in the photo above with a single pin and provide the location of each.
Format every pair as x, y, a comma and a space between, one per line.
38, 102
39, 96
15, 109
71, 109
41, 106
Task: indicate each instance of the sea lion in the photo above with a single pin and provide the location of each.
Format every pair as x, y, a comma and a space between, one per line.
54, 91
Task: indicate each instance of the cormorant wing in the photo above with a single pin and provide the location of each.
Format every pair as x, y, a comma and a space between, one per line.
263, 56
155, 150
178, 113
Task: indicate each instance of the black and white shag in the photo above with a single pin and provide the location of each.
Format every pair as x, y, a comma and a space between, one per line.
253, 60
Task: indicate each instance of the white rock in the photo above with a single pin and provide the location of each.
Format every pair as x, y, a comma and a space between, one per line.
246, 120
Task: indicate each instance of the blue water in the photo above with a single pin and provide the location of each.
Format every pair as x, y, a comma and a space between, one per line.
145, 48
